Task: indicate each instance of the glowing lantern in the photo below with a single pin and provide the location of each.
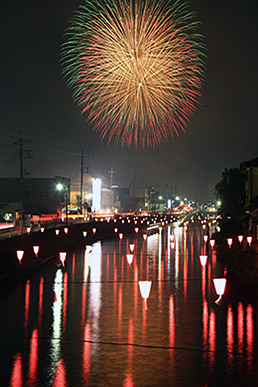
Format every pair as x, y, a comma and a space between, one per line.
230, 242
123, 221
240, 238
129, 258
145, 288
249, 240
42, 229
94, 230
114, 220
219, 285
36, 250
172, 245
212, 243
144, 236
121, 235
116, 229
88, 248
135, 222
128, 221
20, 254
136, 229
57, 231
62, 257
205, 238
203, 259
84, 233
203, 226
131, 247
28, 230
66, 230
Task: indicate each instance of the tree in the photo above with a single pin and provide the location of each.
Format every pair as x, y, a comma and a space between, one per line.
231, 192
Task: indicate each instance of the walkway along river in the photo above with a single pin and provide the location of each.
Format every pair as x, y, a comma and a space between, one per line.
86, 323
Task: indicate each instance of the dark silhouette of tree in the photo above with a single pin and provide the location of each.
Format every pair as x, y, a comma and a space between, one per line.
231, 192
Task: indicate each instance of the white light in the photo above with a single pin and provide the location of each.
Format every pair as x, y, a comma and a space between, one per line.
203, 260
145, 288
62, 257
36, 250
59, 187
96, 193
129, 258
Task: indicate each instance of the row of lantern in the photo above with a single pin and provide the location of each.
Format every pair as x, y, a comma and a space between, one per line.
240, 240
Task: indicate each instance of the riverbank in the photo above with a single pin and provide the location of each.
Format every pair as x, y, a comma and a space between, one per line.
51, 244
241, 259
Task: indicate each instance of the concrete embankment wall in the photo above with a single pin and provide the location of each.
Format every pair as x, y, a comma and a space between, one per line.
51, 244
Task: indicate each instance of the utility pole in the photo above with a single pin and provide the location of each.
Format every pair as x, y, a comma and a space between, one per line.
133, 189
23, 153
81, 179
111, 186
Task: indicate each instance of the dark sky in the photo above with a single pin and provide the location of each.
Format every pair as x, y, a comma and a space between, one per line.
35, 100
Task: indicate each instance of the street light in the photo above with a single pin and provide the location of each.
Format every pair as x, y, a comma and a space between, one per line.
61, 187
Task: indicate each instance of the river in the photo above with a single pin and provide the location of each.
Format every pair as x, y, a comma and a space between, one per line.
86, 324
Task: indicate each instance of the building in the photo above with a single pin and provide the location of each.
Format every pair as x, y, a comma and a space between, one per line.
33, 195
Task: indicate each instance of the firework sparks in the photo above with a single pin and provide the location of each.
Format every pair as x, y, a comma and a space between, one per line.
135, 67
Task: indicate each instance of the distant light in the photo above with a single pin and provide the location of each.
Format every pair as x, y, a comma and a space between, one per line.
57, 231
59, 187
42, 229
66, 230
121, 235
84, 233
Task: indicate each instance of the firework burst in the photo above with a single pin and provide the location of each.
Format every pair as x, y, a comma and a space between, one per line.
135, 67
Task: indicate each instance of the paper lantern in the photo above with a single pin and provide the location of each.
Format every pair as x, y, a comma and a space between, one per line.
20, 254
249, 240
145, 288
36, 250
230, 242
62, 257
203, 260
219, 285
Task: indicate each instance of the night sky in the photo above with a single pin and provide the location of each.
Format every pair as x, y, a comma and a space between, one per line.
35, 100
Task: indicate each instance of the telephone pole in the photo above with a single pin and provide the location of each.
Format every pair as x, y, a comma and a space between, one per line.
81, 180
23, 154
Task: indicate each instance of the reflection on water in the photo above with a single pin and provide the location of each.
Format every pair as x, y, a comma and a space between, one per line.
86, 324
